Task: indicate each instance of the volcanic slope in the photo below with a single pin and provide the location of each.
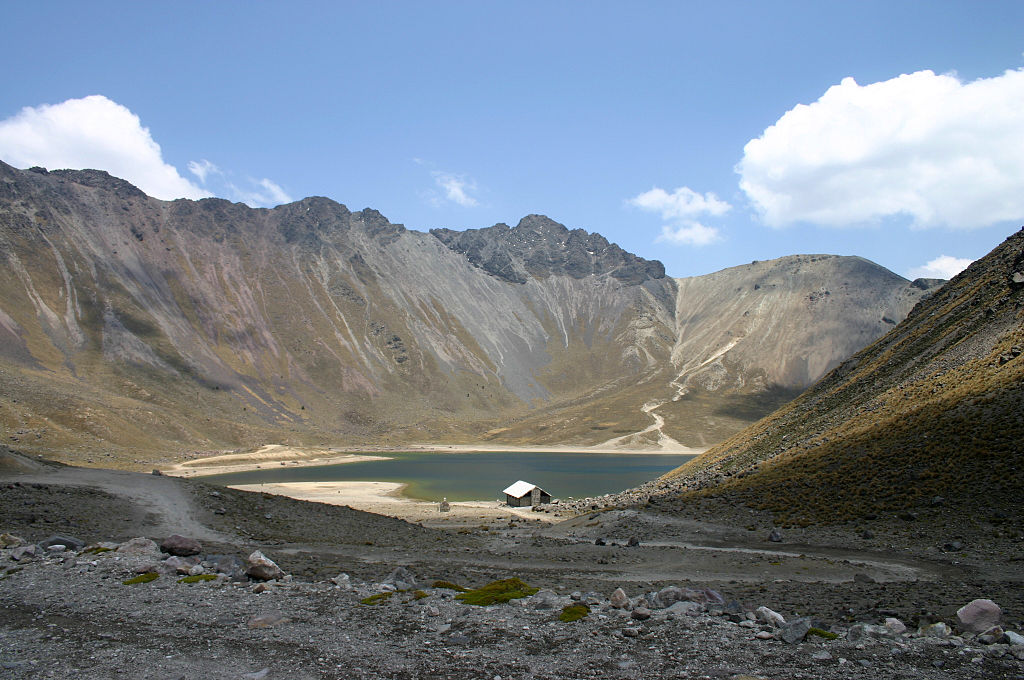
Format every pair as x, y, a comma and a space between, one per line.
132, 329
928, 419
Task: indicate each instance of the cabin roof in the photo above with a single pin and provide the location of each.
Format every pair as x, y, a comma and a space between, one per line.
520, 489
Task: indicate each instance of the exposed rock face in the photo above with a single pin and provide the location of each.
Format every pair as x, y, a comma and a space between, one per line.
137, 326
540, 247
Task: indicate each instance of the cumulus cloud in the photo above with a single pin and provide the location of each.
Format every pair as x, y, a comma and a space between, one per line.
456, 188
942, 267
930, 147
683, 203
682, 207
691, 233
92, 132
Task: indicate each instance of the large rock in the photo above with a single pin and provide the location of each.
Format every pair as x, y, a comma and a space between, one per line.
772, 618
181, 546
262, 568
69, 542
978, 616
619, 599
795, 630
10, 540
401, 579
545, 599
139, 546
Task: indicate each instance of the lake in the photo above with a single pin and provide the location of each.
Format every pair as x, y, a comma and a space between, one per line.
480, 476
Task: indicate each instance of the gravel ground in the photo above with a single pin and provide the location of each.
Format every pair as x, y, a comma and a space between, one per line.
68, 614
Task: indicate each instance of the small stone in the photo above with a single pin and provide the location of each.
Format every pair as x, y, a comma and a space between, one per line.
197, 570
260, 588
1012, 638
641, 613
342, 581
861, 577
56, 548
632, 542
267, 621
683, 609
433, 611
545, 599
24, 552
895, 626
181, 546
821, 655
978, 616
631, 632
402, 579
619, 600
764, 635
936, 630
775, 536
10, 540
263, 568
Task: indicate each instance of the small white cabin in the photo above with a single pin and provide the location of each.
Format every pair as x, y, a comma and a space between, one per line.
523, 494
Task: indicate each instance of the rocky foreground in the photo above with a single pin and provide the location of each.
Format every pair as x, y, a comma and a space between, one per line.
142, 610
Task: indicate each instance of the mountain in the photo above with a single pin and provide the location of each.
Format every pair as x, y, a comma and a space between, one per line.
132, 328
929, 416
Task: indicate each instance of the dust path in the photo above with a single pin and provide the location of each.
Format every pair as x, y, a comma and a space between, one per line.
160, 496
663, 441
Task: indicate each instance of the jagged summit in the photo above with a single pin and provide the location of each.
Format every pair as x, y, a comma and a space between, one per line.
540, 247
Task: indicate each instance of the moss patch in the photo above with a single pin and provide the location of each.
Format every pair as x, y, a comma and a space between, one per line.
142, 578
448, 585
822, 633
377, 599
497, 592
574, 612
196, 578
419, 595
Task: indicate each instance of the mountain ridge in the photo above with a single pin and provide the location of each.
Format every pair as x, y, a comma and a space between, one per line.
133, 324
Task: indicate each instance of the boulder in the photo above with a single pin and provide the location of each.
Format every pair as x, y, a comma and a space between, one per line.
775, 536
180, 565
181, 546
25, 552
684, 608
641, 613
1011, 638
619, 600
262, 568
342, 581
978, 616
895, 626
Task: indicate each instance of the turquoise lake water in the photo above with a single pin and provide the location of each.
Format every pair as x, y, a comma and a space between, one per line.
480, 476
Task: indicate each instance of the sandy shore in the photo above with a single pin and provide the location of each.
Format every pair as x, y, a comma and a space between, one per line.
273, 455
384, 498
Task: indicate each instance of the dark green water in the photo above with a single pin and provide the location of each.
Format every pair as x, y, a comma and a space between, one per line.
480, 476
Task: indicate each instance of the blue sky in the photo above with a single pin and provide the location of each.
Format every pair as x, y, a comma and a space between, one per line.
702, 134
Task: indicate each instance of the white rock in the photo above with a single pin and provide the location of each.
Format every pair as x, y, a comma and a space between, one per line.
765, 615
895, 626
978, 616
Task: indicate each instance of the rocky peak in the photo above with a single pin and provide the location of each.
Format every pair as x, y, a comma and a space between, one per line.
540, 247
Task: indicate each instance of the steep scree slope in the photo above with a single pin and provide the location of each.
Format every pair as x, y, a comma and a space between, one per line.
931, 414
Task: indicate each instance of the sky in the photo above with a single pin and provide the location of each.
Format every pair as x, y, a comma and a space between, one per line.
705, 135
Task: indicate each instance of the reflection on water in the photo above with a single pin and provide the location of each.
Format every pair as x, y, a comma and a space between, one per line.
480, 476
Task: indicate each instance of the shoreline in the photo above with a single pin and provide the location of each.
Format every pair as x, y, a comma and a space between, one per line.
385, 498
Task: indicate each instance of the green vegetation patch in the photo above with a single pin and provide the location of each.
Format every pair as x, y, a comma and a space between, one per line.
377, 599
822, 633
419, 595
197, 578
573, 612
142, 578
497, 592
448, 585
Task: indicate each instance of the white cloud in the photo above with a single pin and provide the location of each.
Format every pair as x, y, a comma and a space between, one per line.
681, 208
456, 188
263, 193
926, 146
92, 132
682, 203
689, 233
942, 267
202, 168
